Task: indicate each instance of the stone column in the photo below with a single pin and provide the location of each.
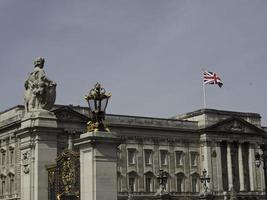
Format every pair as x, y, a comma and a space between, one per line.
38, 147
241, 168
219, 167
229, 167
98, 165
251, 163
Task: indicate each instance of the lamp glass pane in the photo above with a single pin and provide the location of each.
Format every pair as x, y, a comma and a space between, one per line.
104, 104
98, 104
91, 104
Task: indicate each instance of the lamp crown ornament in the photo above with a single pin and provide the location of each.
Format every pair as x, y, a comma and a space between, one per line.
97, 101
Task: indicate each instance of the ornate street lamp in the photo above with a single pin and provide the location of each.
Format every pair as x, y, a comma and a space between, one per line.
97, 101
162, 194
262, 158
205, 179
162, 179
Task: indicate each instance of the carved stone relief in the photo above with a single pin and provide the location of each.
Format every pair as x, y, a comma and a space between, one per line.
26, 162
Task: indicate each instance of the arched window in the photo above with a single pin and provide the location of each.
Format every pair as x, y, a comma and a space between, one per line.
195, 182
132, 181
3, 185
180, 177
149, 182
3, 160
11, 183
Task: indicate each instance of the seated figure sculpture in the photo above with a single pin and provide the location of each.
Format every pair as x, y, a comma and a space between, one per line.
40, 91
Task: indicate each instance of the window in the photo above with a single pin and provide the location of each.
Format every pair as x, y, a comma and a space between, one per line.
194, 157
132, 184
3, 157
180, 182
132, 181
131, 156
194, 183
12, 156
11, 184
179, 158
149, 182
148, 156
164, 157
3, 186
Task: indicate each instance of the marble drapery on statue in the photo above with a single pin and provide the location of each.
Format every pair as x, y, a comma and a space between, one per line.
40, 91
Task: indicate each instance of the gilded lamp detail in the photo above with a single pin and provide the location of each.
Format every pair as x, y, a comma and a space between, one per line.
97, 101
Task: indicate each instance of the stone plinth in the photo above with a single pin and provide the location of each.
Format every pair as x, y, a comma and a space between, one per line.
98, 165
38, 148
206, 196
163, 197
41, 118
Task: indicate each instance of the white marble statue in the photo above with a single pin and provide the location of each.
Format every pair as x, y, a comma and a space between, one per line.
40, 91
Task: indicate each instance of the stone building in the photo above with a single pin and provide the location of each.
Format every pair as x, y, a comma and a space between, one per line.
222, 142
34, 139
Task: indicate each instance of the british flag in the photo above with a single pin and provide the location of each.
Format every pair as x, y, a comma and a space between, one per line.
211, 78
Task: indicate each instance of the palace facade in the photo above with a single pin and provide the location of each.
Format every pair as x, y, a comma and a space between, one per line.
222, 142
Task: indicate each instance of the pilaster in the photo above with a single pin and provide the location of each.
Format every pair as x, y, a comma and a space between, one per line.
207, 158
219, 167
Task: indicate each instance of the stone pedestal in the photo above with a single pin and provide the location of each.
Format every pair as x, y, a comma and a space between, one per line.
39, 118
206, 196
163, 197
98, 165
38, 148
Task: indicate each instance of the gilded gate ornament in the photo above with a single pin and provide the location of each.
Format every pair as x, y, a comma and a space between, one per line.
65, 184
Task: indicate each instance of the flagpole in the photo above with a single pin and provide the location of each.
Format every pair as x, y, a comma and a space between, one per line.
204, 89
204, 95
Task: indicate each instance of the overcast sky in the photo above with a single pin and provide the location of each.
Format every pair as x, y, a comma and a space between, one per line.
148, 53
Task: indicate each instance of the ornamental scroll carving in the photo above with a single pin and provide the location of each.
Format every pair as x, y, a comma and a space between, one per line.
40, 91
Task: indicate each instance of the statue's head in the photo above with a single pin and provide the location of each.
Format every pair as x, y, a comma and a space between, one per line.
39, 62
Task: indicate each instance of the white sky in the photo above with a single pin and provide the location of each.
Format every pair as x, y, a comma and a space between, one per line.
148, 53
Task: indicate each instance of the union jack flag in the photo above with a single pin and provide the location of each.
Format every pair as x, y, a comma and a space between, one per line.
211, 78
